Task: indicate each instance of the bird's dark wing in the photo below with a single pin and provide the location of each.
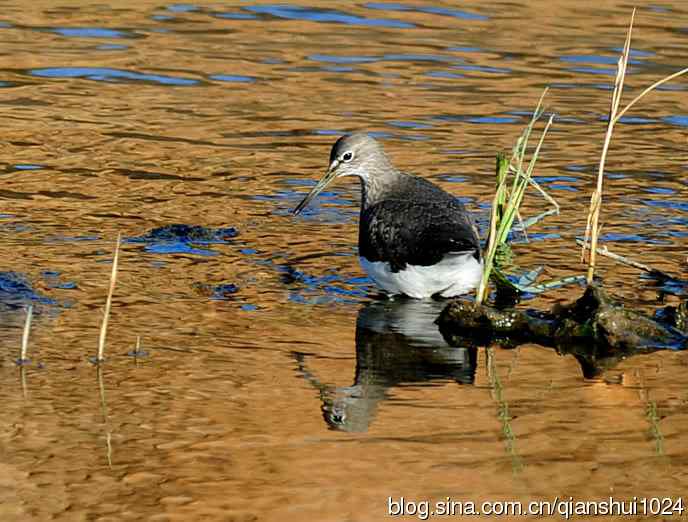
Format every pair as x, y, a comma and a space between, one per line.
402, 232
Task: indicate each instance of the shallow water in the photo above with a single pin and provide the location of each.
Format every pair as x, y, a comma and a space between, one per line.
277, 386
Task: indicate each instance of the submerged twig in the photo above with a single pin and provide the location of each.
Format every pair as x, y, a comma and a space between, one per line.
654, 272
108, 303
527, 223
604, 251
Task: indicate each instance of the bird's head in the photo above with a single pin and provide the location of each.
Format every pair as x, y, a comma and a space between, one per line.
353, 155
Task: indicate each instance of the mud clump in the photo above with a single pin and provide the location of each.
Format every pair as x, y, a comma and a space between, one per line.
595, 329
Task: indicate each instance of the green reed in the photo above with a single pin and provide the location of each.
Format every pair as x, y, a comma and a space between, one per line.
507, 200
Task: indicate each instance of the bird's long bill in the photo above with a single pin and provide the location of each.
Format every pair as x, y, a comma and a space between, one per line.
324, 182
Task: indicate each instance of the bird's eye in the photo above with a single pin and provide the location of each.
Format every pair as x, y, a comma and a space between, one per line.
347, 156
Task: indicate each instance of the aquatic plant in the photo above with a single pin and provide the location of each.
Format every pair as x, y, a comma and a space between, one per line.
507, 201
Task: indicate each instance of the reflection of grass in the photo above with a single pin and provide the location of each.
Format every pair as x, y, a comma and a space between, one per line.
507, 201
592, 229
22, 379
503, 411
104, 411
653, 419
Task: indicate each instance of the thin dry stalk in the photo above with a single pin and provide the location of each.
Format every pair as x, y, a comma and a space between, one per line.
108, 303
25, 336
649, 90
136, 352
592, 228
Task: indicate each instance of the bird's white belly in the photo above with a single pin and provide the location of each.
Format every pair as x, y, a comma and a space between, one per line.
456, 274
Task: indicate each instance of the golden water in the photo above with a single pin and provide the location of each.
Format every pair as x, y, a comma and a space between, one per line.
140, 115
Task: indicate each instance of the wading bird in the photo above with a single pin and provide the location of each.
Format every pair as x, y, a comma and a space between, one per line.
414, 238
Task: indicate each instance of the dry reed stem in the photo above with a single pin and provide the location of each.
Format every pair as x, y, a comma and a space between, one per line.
108, 303
25, 336
650, 89
592, 229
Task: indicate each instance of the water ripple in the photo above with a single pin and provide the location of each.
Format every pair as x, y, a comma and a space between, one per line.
234, 15
312, 14
93, 32
485, 69
25, 166
441, 11
182, 8
104, 74
16, 291
593, 59
680, 120
330, 58
392, 57
112, 47
605, 71
674, 205
477, 119
236, 78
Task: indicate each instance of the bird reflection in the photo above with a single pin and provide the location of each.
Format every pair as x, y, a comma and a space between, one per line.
397, 342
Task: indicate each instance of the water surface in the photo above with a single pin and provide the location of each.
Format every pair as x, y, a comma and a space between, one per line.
277, 386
